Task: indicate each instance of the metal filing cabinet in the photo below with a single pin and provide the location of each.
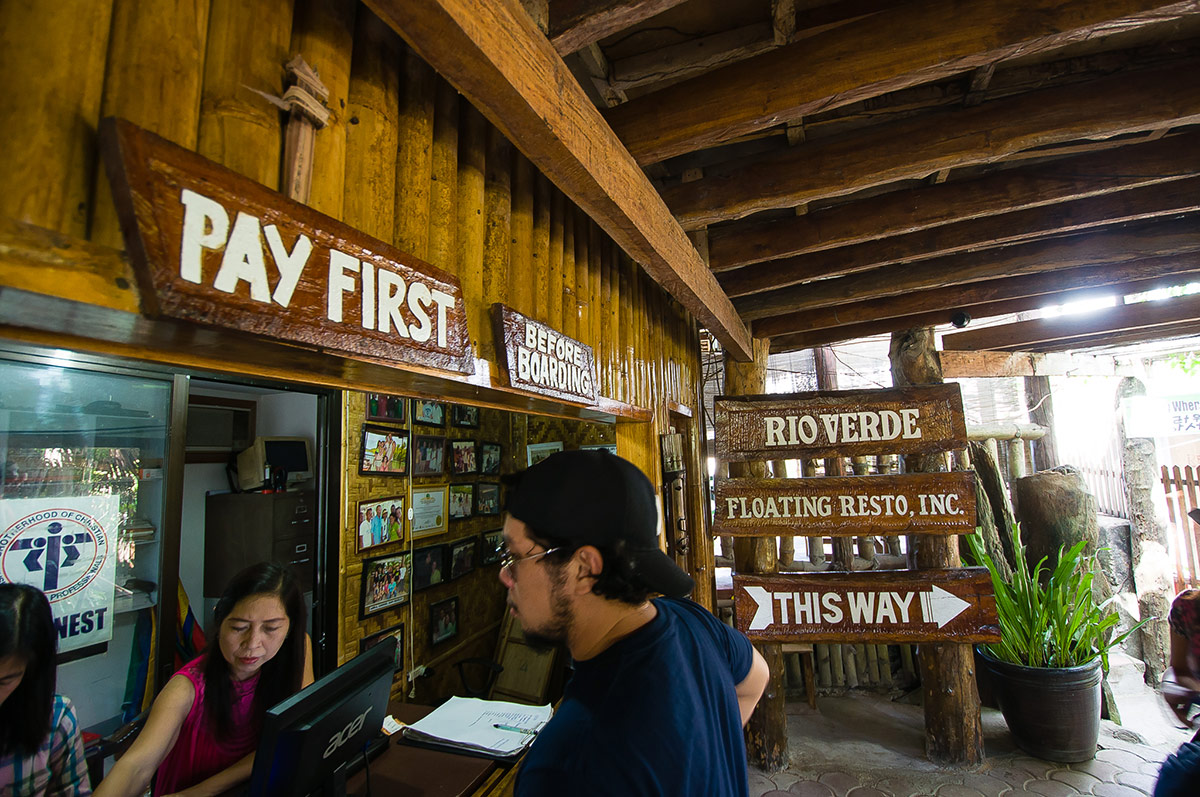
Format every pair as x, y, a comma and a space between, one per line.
244, 528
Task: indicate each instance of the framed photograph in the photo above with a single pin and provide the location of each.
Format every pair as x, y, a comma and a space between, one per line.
536, 452
464, 416
463, 457
462, 556
429, 511
489, 459
397, 632
609, 447
487, 498
382, 407
443, 620
430, 413
380, 521
429, 566
492, 548
386, 582
384, 451
429, 455
462, 501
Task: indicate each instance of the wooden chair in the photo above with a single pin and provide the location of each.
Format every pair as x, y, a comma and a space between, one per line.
805, 649
518, 673
114, 744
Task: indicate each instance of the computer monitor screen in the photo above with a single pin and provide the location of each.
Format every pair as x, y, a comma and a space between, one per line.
308, 739
291, 455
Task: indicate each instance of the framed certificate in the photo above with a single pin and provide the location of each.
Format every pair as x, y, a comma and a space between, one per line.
429, 510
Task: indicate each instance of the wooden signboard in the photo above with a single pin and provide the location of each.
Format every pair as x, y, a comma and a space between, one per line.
846, 506
542, 360
896, 606
214, 247
841, 423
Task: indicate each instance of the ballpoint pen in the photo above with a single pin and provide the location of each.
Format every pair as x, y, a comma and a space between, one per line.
513, 729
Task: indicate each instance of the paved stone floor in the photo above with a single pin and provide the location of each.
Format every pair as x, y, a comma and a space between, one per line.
865, 745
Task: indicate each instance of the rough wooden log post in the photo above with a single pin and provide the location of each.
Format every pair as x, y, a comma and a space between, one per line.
1041, 412
953, 732
497, 240
988, 479
520, 269
472, 224
372, 111
443, 196
414, 160
766, 734
1147, 537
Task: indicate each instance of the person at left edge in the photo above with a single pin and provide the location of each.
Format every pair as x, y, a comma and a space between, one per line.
41, 754
204, 726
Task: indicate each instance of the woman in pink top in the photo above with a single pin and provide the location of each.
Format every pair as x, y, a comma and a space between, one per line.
204, 726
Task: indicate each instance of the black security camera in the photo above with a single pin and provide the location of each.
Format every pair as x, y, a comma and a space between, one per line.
960, 319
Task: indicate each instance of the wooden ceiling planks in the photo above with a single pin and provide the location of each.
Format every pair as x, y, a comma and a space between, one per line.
574, 24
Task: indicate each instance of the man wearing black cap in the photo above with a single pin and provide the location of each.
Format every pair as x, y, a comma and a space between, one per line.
661, 688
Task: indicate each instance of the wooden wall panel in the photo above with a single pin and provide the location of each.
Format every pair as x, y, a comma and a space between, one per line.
520, 263
570, 309
246, 49
443, 194
52, 57
540, 264
554, 270
472, 225
414, 160
498, 241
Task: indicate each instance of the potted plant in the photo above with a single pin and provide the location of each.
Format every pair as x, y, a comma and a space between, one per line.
1055, 638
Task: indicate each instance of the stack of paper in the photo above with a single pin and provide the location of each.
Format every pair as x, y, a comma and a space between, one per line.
488, 727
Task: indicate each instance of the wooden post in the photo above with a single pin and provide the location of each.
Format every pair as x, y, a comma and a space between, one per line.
443, 195
472, 226
520, 262
766, 735
1041, 412
539, 274
554, 271
569, 308
1153, 580
414, 157
583, 280
136, 81
52, 58
596, 287
497, 241
953, 732
372, 114
626, 360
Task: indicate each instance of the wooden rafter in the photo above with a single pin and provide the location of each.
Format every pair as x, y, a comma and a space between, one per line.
920, 146
912, 210
494, 55
1178, 329
574, 24
977, 235
905, 45
1122, 245
962, 364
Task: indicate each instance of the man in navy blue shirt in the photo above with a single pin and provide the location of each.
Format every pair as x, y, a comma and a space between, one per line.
661, 689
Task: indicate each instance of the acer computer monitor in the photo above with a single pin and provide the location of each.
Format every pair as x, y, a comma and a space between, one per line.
309, 740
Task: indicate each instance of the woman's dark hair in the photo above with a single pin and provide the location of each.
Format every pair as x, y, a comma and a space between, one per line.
27, 632
281, 676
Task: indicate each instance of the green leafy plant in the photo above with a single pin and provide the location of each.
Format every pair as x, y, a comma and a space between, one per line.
1049, 618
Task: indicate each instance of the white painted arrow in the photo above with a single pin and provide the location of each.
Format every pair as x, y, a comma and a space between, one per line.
764, 615
940, 607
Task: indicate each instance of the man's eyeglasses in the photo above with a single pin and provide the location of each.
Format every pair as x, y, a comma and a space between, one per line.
509, 560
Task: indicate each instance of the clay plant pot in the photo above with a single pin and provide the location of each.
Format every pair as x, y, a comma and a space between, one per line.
1052, 713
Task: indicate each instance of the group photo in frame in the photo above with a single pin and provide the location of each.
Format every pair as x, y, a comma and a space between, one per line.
491, 549
429, 511
489, 459
429, 566
464, 416
429, 455
487, 498
397, 632
429, 413
386, 582
443, 620
462, 557
463, 457
462, 501
383, 451
536, 452
384, 407
380, 521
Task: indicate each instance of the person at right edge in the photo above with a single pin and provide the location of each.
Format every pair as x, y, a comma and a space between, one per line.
662, 689
1180, 773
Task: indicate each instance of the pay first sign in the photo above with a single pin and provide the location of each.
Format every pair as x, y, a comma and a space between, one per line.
896, 606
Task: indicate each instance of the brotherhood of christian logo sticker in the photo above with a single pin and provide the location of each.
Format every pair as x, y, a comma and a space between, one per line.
60, 551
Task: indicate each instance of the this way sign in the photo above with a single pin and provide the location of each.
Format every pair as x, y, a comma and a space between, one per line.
898, 606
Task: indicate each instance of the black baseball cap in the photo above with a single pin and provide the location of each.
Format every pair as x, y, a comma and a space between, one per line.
596, 498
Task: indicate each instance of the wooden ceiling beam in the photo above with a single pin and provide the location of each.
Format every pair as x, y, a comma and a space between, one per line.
1023, 335
976, 364
945, 315
574, 24
1160, 332
493, 54
1125, 244
977, 235
683, 60
964, 296
916, 209
917, 147
906, 44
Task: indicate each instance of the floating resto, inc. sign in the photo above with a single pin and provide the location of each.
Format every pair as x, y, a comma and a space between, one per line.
840, 423
926, 503
900, 606
542, 360
214, 247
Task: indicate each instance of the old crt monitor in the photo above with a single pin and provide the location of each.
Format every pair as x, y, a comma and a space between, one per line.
291, 454
309, 739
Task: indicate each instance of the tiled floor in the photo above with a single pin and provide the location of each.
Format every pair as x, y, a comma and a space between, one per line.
865, 745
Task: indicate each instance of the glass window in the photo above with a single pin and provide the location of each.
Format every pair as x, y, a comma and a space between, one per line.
81, 509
